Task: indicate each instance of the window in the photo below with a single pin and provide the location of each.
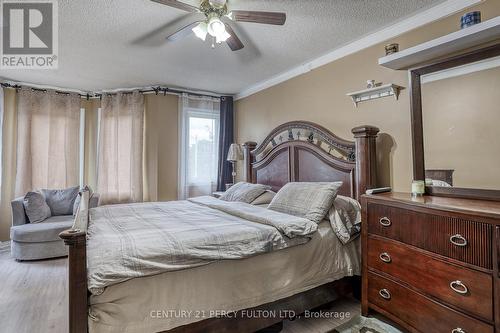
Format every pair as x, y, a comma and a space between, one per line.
199, 137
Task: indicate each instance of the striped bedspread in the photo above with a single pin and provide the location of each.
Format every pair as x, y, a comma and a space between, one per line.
135, 240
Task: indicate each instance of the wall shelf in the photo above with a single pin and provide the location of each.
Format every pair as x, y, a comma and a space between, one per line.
475, 35
385, 90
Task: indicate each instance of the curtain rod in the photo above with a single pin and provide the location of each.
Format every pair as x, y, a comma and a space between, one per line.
156, 90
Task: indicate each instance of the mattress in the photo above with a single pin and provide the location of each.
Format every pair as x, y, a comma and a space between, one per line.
165, 301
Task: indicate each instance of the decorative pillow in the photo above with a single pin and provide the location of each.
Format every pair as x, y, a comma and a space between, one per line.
345, 218
244, 192
309, 200
265, 198
36, 207
61, 201
79, 198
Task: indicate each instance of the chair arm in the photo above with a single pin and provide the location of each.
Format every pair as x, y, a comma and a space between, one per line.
18, 214
94, 200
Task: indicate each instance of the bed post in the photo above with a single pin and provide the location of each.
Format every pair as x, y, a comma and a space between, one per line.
366, 158
76, 240
248, 159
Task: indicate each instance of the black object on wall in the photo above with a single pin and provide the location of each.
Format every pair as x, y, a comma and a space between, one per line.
226, 137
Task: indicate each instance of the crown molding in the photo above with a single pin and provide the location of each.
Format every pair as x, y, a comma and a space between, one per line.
430, 15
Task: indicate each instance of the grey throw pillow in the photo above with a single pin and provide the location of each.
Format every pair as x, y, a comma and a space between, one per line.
244, 192
309, 200
61, 201
36, 207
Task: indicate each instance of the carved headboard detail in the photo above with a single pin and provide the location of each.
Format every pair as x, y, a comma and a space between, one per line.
303, 151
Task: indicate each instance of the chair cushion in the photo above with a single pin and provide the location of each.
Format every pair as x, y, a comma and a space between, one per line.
45, 231
61, 201
35, 206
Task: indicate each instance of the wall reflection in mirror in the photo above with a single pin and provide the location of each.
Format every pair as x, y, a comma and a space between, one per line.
461, 124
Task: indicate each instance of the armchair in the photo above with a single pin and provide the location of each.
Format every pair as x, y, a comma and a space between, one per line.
33, 241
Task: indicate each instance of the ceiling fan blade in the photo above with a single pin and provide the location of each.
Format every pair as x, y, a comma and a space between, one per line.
178, 5
182, 32
233, 42
259, 17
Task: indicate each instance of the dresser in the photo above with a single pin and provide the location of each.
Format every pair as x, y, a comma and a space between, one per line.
431, 264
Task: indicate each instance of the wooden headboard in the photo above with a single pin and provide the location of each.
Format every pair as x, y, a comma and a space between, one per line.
301, 151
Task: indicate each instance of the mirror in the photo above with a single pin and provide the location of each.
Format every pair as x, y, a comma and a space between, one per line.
461, 122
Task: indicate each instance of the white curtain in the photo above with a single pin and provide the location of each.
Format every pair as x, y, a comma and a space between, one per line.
120, 148
48, 126
199, 120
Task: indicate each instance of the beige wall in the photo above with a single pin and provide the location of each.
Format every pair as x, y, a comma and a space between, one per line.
90, 156
461, 117
160, 155
161, 147
320, 96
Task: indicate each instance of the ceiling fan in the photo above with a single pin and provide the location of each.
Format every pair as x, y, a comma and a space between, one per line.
215, 21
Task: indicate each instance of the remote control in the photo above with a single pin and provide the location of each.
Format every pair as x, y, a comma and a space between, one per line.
378, 190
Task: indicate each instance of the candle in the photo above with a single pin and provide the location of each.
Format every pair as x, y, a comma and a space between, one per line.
418, 187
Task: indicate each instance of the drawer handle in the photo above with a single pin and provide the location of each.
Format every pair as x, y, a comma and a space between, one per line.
385, 221
458, 240
384, 293
458, 330
459, 287
385, 257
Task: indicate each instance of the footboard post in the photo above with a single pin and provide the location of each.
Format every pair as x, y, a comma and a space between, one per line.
366, 158
77, 279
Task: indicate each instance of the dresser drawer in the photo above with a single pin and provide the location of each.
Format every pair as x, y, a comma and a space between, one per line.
465, 240
418, 311
434, 277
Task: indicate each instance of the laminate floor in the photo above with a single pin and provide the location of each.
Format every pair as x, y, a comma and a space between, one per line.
33, 298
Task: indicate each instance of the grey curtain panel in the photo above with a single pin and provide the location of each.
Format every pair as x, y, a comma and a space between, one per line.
226, 137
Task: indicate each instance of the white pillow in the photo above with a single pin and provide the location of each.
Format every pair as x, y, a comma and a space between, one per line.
306, 199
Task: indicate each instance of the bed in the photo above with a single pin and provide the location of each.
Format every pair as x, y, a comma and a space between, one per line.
226, 295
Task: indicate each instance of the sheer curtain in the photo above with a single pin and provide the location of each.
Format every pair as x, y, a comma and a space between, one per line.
48, 126
199, 122
120, 148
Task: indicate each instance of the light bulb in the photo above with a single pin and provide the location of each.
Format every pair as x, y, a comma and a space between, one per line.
215, 26
201, 30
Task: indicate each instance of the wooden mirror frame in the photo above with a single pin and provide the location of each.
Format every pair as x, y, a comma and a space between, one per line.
417, 122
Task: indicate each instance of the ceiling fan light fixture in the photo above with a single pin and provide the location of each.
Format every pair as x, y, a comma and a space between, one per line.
215, 26
217, 3
201, 31
222, 37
